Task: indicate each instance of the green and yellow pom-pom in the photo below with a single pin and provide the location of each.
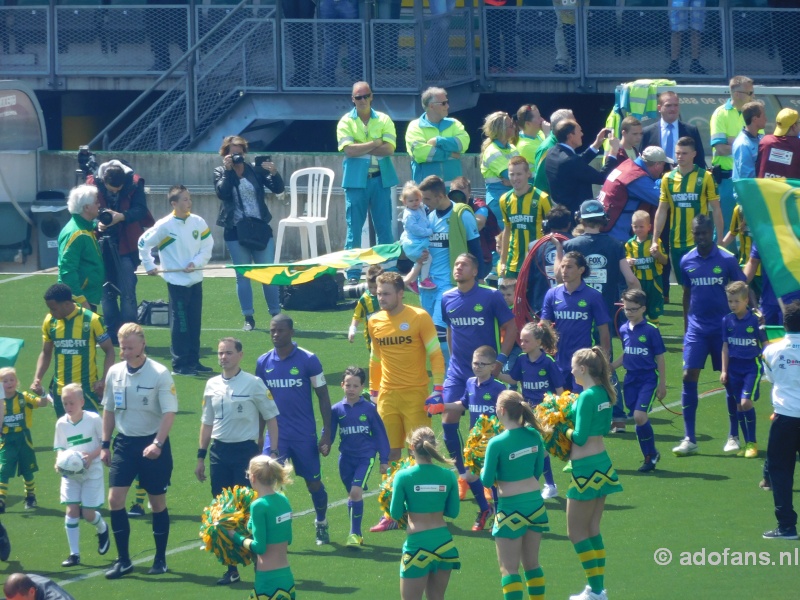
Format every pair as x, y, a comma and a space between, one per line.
231, 510
485, 428
555, 415
387, 487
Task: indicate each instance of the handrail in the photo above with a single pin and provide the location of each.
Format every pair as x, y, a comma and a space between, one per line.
187, 57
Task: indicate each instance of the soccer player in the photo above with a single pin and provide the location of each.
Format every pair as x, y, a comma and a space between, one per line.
16, 448
236, 408
427, 493
523, 209
141, 403
593, 475
290, 373
573, 308
403, 337
686, 191
742, 341
514, 462
362, 435
539, 374
367, 304
645, 371
475, 316
72, 333
83, 431
705, 272
647, 265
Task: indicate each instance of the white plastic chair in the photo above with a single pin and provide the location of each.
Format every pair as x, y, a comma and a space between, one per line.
318, 199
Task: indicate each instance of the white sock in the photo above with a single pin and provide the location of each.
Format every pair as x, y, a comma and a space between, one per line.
99, 523
73, 534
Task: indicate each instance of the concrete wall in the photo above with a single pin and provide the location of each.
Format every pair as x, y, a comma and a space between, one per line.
195, 170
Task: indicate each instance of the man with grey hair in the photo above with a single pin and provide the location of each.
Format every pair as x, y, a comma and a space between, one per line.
539, 176
80, 262
435, 142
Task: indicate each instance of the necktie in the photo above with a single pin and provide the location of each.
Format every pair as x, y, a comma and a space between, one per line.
669, 142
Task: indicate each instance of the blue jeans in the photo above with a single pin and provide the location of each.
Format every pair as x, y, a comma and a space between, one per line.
245, 256
378, 200
336, 34
119, 307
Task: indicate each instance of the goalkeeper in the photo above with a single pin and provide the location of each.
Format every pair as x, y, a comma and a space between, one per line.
82, 431
402, 337
16, 445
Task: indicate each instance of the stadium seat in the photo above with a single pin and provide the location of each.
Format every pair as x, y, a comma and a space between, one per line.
316, 214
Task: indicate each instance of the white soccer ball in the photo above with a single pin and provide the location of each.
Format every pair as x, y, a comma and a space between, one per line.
70, 464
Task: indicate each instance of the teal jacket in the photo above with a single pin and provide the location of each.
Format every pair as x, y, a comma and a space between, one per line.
435, 160
80, 261
351, 131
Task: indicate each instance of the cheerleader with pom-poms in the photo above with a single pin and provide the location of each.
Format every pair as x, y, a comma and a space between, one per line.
271, 528
593, 476
514, 462
536, 369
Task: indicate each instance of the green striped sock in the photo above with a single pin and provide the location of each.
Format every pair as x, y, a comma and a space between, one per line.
534, 579
512, 587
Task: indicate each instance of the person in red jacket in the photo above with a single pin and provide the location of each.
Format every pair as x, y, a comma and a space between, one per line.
779, 153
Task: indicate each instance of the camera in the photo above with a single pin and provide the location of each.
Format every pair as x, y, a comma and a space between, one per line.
237, 159
87, 162
355, 291
105, 216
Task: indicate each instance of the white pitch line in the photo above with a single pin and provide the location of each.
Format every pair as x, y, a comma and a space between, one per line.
193, 545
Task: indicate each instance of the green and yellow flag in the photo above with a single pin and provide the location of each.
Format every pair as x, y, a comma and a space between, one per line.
311, 268
772, 210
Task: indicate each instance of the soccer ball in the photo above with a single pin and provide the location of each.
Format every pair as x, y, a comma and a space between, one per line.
70, 464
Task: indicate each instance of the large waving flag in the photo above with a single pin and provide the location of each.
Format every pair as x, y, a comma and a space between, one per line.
772, 210
327, 264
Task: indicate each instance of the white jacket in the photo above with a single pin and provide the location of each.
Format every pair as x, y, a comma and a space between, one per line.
782, 368
179, 242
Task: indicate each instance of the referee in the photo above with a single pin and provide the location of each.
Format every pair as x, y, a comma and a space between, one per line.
236, 406
140, 401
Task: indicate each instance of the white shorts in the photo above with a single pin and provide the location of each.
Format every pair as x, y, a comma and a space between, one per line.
89, 493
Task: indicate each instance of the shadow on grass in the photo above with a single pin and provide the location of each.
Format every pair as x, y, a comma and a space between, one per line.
674, 475
370, 552
313, 585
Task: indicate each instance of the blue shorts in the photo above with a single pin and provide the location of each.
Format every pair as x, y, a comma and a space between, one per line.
355, 471
744, 377
431, 302
681, 20
303, 453
772, 313
697, 345
454, 389
640, 390
569, 381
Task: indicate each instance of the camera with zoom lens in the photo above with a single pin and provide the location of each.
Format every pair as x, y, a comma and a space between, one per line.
87, 162
105, 217
355, 291
237, 159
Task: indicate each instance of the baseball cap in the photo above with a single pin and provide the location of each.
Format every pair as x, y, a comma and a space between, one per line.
655, 154
592, 209
786, 118
457, 196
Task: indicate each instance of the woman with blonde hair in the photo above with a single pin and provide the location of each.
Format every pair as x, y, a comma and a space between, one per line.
271, 528
593, 476
428, 493
497, 148
514, 462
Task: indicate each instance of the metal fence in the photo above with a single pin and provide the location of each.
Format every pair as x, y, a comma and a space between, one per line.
24, 36
764, 41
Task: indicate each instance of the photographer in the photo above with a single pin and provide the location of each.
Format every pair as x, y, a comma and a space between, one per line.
245, 218
121, 222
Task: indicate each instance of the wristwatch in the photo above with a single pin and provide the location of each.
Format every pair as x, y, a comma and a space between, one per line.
158, 444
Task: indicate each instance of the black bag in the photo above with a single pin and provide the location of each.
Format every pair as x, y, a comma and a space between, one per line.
319, 294
253, 233
154, 313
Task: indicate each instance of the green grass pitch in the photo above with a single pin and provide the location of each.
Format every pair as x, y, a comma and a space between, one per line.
709, 503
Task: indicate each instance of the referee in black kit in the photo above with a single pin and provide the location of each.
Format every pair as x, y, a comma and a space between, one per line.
140, 401
236, 406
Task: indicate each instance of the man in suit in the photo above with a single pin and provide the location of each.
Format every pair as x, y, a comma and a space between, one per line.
662, 133
569, 174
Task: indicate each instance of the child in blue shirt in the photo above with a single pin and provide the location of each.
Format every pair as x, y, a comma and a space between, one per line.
643, 357
538, 373
742, 342
416, 231
362, 435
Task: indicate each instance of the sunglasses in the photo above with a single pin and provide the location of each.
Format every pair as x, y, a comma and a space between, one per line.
443, 103
364, 97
